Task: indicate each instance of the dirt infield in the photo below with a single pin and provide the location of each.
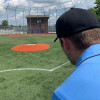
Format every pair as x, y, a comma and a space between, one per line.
23, 35
30, 47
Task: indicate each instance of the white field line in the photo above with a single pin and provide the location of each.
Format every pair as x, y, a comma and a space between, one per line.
24, 69
59, 66
19, 69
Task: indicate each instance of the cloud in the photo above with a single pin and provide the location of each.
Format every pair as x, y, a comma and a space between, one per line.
45, 1
52, 4
1, 1
48, 3
1, 4
60, 3
84, 3
49, 6
55, 3
12, 2
16, 2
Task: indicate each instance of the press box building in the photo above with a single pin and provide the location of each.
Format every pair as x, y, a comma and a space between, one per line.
37, 23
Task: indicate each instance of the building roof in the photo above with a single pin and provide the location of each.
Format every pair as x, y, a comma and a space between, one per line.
37, 16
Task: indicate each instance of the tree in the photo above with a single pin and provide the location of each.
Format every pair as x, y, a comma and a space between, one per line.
96, 9
4, 23
97, 4
93, 10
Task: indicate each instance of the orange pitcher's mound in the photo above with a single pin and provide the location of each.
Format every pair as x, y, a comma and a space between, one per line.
30, 47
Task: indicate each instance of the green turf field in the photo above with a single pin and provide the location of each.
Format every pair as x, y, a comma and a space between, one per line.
31, 84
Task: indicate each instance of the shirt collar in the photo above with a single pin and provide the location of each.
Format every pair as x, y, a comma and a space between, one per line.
91, 51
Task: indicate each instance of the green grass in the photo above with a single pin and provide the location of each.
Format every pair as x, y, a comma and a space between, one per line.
31, 85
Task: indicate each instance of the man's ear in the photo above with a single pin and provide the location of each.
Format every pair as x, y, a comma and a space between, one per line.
65, 43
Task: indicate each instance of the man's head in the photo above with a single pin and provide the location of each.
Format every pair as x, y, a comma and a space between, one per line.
77, 29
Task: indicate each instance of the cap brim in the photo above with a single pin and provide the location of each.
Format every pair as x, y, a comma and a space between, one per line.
56, 39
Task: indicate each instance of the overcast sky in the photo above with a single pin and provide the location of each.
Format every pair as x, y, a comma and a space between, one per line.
47, 4
78, 3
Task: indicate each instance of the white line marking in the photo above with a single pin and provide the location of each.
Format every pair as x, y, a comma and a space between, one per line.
24, 69
35, 68
59, 66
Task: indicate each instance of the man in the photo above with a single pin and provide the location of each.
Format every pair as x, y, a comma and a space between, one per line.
79, 33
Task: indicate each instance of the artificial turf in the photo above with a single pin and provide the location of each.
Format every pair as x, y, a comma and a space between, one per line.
31, 84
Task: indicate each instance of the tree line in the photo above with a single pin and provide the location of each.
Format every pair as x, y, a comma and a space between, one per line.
5, 25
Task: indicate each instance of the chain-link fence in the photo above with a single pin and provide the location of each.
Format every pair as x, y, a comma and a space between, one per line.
16, 17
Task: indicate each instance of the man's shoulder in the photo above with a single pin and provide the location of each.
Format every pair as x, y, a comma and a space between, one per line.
81, 84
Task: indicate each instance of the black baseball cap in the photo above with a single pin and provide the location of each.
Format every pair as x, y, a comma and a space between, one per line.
75, 21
